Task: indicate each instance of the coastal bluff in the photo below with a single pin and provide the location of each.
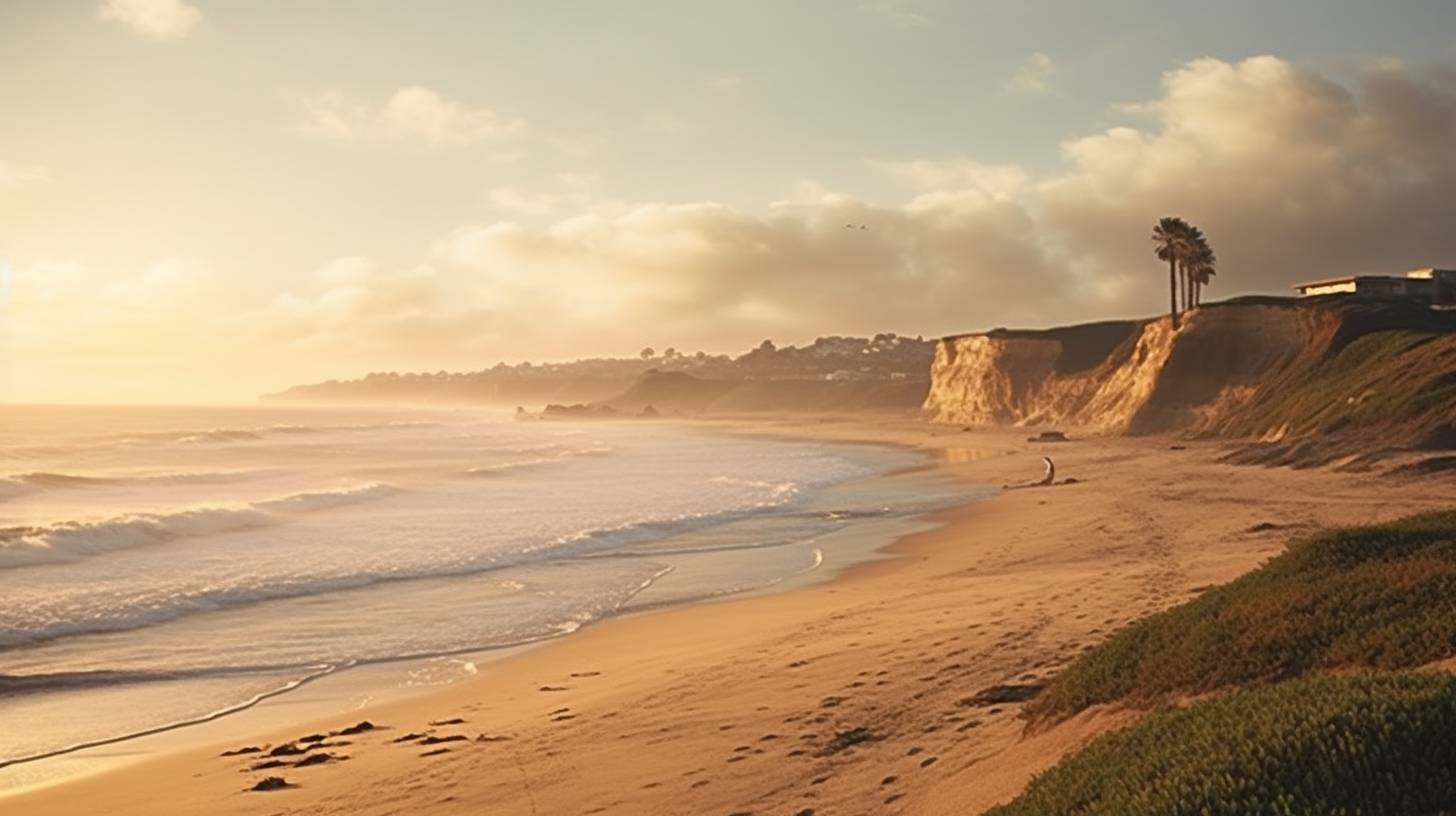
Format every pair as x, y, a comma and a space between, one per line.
1310, 380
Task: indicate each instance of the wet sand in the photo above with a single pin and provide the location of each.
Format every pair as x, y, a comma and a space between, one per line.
861, 695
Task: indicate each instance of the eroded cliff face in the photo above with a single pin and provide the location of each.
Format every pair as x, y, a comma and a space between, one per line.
1024, 378
1266, 368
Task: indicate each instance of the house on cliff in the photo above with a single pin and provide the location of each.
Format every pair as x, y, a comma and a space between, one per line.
1429, 285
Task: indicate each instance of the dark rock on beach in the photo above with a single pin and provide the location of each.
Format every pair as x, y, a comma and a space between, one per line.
998, 695
272, 783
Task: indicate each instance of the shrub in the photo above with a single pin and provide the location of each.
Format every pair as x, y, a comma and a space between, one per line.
1351, 745
1380, 596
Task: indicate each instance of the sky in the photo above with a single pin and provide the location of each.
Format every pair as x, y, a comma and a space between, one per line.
206, 200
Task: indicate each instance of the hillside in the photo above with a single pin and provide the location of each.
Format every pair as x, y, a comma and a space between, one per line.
1305, 686
681, 393
766, 377
1312, 380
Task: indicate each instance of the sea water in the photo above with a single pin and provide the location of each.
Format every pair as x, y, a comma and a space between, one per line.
162, 566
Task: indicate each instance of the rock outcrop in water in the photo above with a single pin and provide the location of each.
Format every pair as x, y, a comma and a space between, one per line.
1312, 380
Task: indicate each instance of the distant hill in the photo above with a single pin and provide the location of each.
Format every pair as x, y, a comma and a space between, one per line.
675, 392
1313, 380
831, 372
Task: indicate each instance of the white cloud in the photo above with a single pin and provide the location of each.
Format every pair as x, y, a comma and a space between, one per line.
956, 173
664, 124
410, 113
157, 19
728, 82
12, 175
902, 14
515, 200
1035, 75
1292, 175
703, 274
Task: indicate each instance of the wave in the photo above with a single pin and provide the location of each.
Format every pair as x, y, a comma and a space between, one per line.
582, 544
303, 673
562, 454
327, 499
75, 540
224, 435
21, 484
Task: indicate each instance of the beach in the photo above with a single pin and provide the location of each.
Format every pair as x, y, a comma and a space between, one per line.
863, 694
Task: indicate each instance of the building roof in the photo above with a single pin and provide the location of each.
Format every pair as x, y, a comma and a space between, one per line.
1345, 279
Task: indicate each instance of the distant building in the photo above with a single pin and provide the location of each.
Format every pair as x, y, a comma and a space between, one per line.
1435, 286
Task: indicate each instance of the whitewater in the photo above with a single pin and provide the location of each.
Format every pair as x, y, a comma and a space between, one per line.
160, 566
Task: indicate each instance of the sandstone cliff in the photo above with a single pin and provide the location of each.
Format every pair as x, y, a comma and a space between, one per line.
1312, 379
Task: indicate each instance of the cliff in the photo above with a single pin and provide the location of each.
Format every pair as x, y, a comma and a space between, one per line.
1312, 380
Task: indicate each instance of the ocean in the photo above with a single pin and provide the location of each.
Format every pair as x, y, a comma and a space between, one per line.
164, 566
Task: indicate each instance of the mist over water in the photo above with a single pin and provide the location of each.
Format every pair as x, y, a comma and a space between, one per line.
161, 565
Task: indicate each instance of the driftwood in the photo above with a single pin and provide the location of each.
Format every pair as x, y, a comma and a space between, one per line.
1047, 480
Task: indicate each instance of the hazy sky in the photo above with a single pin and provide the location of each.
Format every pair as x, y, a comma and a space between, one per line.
203, 200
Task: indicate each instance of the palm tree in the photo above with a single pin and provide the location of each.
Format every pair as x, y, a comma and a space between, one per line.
1170, 244
1193, 240
1201, 267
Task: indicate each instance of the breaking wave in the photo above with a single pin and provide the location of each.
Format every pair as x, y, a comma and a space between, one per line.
561, 454
21, 484
75, 540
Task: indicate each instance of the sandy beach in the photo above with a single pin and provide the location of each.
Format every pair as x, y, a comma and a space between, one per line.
854, 696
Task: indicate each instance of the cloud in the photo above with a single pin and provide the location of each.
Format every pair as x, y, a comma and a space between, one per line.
515, 200
410, 113
1292, 175
351, 310
955, 173
728, 82
664, 124
156, 19
1034, 76
901, 14
13, 175
700, 274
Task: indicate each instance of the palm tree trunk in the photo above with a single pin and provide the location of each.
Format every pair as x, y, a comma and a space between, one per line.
1173, 291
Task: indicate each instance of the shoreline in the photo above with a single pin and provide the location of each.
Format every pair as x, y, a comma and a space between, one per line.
174, 738
743, 703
